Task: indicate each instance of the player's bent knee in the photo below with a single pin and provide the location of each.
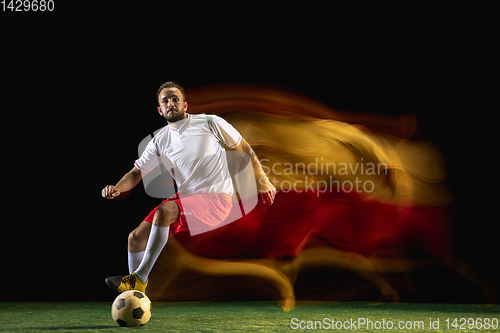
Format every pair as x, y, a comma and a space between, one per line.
138, 238
136, 243
166, 214
133, 237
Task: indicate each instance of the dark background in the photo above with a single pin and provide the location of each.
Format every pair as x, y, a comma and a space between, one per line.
78, 90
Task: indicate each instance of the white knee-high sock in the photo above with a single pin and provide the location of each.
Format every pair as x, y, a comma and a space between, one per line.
156, 241
134, 260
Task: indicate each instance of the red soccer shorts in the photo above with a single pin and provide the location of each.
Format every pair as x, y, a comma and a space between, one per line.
198, 213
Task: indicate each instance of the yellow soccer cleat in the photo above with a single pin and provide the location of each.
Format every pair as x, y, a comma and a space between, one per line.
127, 282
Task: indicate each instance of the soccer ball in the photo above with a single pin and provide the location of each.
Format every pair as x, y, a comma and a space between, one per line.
131, 308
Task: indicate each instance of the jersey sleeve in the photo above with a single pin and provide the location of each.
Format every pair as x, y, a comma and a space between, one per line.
225, 132
149, 159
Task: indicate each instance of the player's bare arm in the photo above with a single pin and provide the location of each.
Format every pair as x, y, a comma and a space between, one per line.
265, 188
128, 182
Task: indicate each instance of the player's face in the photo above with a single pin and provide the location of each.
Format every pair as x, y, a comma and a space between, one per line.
172, 106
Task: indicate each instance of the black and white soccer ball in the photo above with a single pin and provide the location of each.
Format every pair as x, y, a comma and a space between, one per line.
131, 308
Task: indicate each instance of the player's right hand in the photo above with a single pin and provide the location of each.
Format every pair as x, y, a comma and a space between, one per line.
110, 192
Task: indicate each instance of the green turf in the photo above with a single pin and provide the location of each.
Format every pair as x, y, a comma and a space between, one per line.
235, 316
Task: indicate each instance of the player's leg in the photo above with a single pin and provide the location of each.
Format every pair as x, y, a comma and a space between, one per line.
164, 215
137, 241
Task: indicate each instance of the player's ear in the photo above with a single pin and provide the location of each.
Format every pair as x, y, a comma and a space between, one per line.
159, 111
185, 106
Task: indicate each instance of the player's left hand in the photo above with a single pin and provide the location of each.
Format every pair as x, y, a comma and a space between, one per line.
267, 191
268, 197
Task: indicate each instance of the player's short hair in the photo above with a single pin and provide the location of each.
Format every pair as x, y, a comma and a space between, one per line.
170, 84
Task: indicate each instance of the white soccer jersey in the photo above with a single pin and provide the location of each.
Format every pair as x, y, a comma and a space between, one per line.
194, 154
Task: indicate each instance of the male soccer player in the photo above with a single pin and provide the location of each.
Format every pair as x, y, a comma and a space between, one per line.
192, 149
